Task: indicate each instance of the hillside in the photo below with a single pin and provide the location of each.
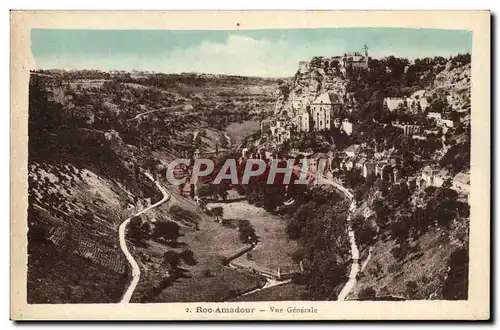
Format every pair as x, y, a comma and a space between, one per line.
91, 136
411, 229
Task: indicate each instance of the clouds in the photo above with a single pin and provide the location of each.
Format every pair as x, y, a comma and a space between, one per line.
245, 55
238, 54
271, 53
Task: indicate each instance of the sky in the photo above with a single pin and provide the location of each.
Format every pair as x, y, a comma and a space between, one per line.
266, 53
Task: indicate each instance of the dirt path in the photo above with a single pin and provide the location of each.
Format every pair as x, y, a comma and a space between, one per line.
136, 271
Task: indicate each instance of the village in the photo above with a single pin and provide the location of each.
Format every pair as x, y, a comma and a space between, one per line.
413, 118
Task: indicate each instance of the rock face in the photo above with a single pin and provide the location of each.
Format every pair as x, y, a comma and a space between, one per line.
312, 80
455, 82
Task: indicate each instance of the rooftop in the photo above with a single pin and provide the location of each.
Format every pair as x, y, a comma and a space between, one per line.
327, 98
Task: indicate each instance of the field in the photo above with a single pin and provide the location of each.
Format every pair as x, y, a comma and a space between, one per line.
238, 131
208, 279
284, 292
274, 248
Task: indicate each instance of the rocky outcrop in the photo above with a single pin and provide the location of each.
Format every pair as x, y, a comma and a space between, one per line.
314, 79
455, 82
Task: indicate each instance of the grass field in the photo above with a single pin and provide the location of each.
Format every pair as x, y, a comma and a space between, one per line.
238, 131
222, 285
208, 279
274, 248
285, 292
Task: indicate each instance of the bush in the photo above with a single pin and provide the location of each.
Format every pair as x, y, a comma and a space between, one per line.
171, 258
188, 257
185, 215
167, 229
368, 293
298, 255
411, 289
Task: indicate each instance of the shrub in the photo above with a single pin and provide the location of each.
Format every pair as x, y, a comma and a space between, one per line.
298, 255
368, 293
188, 257
411, 289
171, 258
183, 214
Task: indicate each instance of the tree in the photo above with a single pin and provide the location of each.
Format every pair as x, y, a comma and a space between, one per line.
171, 258
167, 229
247, 232
134, 231
206, 191
146, 230
218, 213
223, 142
298, 255
367, 293
457, 280
188, 256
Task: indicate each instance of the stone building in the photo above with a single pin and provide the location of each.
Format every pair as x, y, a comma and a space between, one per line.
347, 126
323, 109
392, 103
461, 182
408, 130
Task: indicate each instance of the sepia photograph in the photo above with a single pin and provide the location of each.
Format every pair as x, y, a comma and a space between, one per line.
238, 165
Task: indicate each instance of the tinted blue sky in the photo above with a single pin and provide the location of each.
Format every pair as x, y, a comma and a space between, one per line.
250, 52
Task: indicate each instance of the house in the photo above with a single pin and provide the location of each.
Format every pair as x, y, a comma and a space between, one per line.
392, 103
355, 59
347, 126
461, 182
412, 182
447, 123
352, 150
419, 137
432, 176
407, 129
304, 66
368, 169
427, 176
439, 178
434, 115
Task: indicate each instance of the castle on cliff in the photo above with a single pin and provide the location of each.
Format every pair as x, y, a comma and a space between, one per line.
357, 60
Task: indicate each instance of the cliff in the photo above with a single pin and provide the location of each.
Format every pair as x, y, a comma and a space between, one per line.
317, 77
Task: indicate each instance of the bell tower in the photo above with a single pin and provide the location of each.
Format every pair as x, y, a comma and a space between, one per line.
365, 48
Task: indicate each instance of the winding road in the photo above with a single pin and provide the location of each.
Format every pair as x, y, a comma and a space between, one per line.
355, 268
136, 271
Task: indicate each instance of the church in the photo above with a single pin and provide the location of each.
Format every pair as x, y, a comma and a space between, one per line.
319, 115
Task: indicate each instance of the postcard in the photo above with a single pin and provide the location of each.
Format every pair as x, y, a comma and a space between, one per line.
250, 165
